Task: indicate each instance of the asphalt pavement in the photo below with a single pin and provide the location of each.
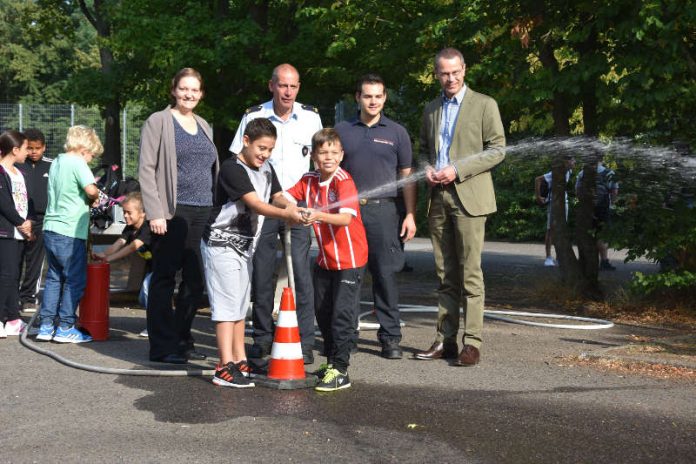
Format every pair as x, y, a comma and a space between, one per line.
527, 401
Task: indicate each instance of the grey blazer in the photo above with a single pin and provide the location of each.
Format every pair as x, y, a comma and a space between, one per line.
478, 145
157, 172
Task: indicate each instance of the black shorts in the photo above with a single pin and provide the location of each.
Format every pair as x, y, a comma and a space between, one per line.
601, 217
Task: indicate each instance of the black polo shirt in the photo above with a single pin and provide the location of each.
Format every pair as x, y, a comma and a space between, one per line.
375, 155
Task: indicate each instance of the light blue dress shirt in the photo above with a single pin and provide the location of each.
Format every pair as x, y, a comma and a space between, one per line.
450, 112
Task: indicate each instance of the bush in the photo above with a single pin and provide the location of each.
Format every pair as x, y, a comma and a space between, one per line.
664, 281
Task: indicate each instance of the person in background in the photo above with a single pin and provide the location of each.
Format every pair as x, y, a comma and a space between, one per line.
177, 173
546, 200
15, 228
35, 169
606, 191
71, 191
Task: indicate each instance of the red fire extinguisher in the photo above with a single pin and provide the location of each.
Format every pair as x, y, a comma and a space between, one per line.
94, 306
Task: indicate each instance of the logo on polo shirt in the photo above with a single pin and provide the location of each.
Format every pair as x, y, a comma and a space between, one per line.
384, 141
332, 196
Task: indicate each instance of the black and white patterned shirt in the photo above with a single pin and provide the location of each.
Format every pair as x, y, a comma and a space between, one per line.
232, 223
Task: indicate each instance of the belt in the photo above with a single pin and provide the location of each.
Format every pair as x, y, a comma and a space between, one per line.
375, 201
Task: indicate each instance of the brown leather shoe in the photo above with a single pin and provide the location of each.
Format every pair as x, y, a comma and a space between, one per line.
469, 356
439, 350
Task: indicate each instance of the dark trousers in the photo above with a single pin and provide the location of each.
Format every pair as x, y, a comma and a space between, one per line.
10, 256
180, 248
33, 259
337, 303
385, 259
264, 290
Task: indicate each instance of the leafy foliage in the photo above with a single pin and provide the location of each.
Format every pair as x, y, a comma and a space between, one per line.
518, 218
663, 282
39, 49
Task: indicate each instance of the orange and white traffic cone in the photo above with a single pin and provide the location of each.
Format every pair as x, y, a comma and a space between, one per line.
286, 361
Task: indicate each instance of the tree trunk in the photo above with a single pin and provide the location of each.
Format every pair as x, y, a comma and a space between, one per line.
560, 111
588, 49
111, 110
579, 274
222, 135
586, 234
112, 135
562, 238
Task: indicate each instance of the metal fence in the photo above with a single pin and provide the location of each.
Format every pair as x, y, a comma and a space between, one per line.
54, 121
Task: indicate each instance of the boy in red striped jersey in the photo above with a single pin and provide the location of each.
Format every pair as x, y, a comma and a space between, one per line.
333, 210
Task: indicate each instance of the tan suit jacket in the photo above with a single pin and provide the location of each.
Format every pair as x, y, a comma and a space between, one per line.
478, 145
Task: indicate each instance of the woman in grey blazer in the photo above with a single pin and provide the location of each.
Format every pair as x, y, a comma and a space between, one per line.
177, 173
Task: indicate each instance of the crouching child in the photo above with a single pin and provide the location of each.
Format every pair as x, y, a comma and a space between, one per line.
135, 238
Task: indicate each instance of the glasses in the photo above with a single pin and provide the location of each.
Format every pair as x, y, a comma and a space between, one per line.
455, 74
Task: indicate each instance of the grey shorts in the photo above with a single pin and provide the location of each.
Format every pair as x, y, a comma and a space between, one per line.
228, 282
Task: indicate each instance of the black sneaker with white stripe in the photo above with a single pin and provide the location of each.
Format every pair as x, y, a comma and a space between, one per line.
230, 376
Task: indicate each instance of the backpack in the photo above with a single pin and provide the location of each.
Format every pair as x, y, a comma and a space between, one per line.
602, 189
602, 198
544, 190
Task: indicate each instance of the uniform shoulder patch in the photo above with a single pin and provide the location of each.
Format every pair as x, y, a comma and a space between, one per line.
310, 108
253, 109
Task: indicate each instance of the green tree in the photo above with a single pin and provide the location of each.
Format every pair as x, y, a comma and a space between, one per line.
39, 49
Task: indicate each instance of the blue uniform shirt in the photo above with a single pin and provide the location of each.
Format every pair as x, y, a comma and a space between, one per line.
374, 155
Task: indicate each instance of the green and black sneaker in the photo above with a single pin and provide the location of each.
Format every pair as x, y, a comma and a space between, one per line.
333, 380
321, 372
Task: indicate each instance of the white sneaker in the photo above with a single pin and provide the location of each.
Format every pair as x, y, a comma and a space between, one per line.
143, 333
3, 334
549, 262
15, 327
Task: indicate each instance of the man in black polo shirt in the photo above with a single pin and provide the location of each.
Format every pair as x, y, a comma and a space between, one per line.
377, 154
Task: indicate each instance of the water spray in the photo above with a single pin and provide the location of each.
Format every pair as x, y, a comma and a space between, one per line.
581, 148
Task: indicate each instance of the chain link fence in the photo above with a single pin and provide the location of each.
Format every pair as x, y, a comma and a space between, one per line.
54, 121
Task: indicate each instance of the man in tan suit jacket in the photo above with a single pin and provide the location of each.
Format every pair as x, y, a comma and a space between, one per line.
463, 137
